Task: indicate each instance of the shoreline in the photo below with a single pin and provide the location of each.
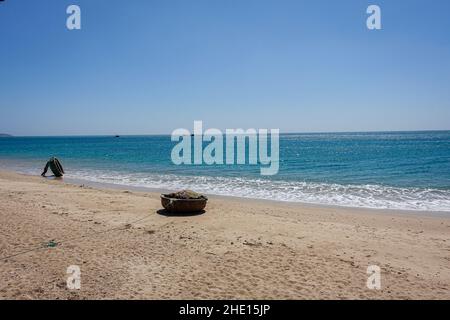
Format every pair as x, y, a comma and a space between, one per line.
123, 187
118, 186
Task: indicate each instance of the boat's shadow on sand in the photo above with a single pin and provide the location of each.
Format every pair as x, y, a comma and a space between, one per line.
166, 213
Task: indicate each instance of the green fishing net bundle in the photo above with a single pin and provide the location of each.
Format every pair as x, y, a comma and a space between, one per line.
185, 194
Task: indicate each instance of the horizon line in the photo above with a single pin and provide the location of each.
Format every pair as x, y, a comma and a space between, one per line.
168, 134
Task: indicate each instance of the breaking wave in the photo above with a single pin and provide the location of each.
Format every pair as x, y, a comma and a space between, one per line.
365, 196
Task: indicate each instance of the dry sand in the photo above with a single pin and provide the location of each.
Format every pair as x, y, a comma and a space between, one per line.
238, 249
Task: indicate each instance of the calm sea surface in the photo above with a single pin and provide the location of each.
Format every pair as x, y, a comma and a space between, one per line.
396, 170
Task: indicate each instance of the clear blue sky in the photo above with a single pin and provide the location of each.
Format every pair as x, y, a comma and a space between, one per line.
144, 67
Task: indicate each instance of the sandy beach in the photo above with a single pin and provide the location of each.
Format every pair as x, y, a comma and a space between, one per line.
126, 247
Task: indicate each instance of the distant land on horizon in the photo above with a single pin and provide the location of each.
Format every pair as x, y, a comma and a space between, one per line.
5, 135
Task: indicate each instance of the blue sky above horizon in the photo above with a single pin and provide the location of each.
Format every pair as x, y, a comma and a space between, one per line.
149, 67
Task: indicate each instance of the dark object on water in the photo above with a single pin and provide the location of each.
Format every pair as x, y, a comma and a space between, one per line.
55, 166
117, 136
185, 201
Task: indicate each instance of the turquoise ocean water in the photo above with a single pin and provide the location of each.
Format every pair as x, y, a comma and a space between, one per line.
386, 170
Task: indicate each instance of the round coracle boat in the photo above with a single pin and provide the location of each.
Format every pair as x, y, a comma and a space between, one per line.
184, 201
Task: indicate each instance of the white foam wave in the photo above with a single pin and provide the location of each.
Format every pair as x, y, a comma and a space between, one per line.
366, 196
